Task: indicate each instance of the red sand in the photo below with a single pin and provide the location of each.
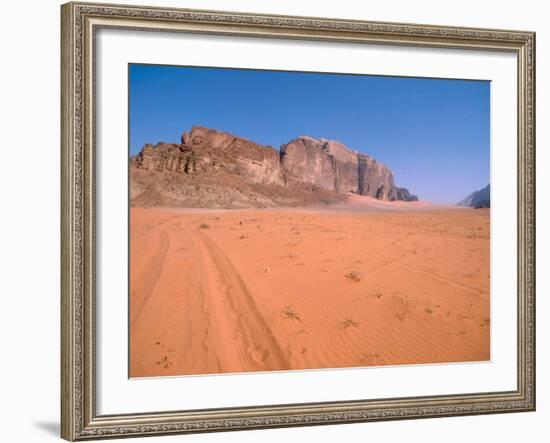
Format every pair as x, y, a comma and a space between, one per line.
261, 290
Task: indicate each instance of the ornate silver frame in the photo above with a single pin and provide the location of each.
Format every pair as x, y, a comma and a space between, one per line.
80, 21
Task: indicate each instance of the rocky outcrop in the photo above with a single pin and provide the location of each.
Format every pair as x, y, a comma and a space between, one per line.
205, 150
402, 194
375, 179
331, 165
478, 199
303, 161
305, 164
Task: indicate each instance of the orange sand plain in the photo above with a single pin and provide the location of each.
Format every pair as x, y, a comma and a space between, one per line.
261, 290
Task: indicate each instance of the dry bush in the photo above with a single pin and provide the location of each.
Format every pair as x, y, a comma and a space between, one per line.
354, 275
291, 314
348, 323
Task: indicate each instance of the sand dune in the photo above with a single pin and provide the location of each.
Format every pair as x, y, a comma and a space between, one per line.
374, 283
365, 203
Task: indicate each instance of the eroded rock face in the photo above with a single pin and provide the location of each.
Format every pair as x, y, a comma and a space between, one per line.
331, 165
478, 199
345, 163
208, 151
375, 179
402, 194
304, 162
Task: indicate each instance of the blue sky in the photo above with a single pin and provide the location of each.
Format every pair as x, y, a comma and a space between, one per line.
433, 133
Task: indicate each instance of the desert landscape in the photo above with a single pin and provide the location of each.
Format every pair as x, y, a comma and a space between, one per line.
247, 258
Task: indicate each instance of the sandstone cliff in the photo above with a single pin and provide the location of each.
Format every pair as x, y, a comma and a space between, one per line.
217, 169
478, 199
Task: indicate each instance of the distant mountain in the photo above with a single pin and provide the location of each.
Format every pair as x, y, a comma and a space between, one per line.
210, 168
478, 199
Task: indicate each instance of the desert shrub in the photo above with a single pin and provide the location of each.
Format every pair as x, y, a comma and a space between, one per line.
348, 323
354, 275
291, 314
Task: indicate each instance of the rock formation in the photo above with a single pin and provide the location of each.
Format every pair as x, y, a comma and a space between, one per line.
235, 172
330, 165
478, 199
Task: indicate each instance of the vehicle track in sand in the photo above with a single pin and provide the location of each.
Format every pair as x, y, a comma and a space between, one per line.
252, 340
233, 292
151, 278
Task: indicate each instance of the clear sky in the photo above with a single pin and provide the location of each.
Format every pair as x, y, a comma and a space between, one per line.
433, 133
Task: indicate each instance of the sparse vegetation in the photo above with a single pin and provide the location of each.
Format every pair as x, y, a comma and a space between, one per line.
354, 275
348, 323
406, 306
289, 255
291, 314
204, 226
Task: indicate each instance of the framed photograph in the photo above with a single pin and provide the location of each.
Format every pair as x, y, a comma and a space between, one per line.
284, 221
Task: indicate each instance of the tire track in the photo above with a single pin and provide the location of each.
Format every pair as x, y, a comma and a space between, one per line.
254, 341
151, 277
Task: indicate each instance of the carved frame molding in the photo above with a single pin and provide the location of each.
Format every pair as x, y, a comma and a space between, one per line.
80, 21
